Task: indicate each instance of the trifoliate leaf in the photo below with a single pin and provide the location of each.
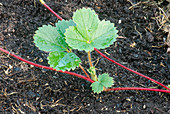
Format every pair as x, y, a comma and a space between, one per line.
63, 60
47, 38
103, 81
63, 25
106, 80
89, 31
97, 87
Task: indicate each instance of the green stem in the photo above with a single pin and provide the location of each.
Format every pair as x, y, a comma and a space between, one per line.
89, 57
84, 71
92, 68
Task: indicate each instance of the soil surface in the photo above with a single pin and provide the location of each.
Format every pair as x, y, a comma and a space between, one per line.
28, 89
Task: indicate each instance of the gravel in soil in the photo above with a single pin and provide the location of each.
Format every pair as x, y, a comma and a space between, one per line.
27, 89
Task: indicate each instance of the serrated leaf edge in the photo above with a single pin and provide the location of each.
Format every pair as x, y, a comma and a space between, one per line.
36, 35
94, 90
68, 69
99, 81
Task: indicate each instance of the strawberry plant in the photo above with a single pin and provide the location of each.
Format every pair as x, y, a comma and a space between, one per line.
83, 33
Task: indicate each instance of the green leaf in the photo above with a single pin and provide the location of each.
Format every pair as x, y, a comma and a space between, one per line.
97, 87
90, 32
168, 86
47, 38
105, 35
52, 39
106, 80
87, 22
63, 60
103, 81
63, 25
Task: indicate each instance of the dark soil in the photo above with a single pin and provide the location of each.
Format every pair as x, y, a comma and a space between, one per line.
27, 89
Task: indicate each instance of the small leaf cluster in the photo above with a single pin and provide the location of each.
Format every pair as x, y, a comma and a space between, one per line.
52, 39
104, 81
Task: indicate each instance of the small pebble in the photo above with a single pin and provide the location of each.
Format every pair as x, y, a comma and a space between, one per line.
144, 106
120, 21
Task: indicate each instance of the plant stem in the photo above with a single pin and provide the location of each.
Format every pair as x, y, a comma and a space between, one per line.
51, 10
89, 57
132, 70
136, 88
92, 69
69, 50
83, 77
45, 67
84, 71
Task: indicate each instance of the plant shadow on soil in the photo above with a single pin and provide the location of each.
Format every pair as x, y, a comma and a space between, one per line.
24, 88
